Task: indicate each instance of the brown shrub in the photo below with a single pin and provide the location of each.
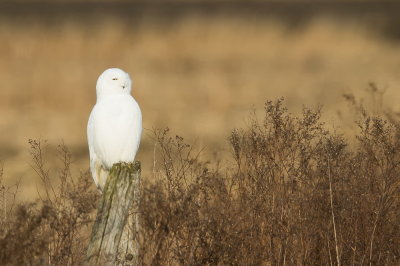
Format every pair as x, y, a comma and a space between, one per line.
54, 229
294, 193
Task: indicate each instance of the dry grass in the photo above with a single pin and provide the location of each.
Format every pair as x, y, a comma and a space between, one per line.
196, 75
291, 193
294, 194
51, 230
285, 189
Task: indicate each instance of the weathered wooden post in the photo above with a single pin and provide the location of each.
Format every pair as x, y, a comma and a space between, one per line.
115, 241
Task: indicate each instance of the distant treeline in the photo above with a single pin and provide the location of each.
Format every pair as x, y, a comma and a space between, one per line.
357, 7
377, 15
166, 8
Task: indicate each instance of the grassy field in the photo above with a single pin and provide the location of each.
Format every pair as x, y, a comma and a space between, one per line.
289, 186
201, 75
291, 192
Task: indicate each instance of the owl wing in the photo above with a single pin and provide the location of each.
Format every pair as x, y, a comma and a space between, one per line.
99, 172
94, 162
92, 154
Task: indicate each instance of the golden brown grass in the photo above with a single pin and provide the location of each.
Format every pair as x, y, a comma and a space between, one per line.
197, 75
285, 188
290, 193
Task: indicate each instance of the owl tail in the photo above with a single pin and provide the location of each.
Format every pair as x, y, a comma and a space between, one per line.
101, 177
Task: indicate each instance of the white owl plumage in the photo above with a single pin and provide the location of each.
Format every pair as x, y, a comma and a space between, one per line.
115, 124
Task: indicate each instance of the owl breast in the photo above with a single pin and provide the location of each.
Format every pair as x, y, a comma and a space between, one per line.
116, 129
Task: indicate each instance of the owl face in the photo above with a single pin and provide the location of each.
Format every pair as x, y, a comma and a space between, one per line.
113, 81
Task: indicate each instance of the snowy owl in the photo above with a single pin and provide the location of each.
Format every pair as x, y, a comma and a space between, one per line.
115, 125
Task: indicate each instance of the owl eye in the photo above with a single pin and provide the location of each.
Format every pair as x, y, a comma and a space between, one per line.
114, 79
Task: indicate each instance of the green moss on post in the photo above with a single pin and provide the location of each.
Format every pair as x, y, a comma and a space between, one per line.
119, 204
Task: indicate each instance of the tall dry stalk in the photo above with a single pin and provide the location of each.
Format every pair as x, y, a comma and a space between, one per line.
333, 214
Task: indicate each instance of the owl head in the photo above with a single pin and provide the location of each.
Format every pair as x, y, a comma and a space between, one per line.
113, 81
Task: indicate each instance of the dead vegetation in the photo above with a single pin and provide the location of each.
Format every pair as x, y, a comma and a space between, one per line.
220, 64
51, 230
293, 193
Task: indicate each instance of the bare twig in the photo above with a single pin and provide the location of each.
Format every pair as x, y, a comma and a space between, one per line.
333, 214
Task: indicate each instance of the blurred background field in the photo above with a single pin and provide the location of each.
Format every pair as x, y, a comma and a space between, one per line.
198, 67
